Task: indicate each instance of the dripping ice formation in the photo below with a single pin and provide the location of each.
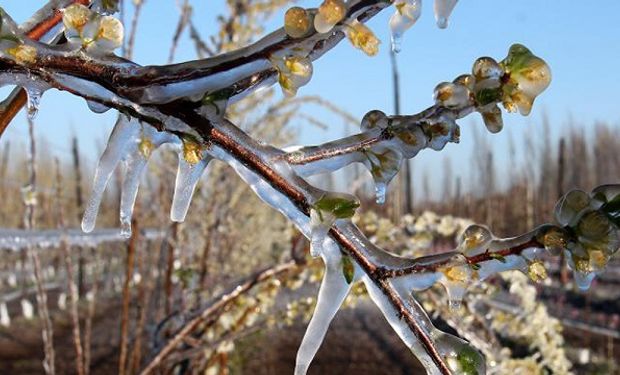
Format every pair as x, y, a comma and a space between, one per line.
443, 9
132, 143
332, 292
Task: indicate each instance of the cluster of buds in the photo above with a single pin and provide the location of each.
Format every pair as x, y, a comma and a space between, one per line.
91, 31
589, 230
294, 71
299, 22
515, 82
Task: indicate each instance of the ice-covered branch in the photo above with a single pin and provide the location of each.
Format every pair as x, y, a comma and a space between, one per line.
185, 107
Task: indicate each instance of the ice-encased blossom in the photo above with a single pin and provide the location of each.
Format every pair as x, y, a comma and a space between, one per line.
89, 30
297, 22
293, 72
528, 76
363, 38
329, 14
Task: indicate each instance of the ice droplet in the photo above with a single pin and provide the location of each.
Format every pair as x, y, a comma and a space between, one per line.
397, 42
124, 132
97, 107
443, 9
34, 99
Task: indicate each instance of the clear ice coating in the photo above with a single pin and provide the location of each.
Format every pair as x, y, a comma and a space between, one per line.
132, 143
188, 176
334, 289
443, 9
406, 15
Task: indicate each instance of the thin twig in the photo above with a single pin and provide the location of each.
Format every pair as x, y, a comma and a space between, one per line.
219, 303
71, 286
129, 268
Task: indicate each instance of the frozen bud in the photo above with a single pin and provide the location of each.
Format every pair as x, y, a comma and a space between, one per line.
596, 232
555, 240
406, 15
442, 132
570, 207
451, 95
192, 150
528, 76
475, 239
383, 164
146, 147
443, 9
466, 80
297, 22
374, 119
330, 13
492, 117
410, 139
23, 54
487, 68
363, 38
537, 271
294, 72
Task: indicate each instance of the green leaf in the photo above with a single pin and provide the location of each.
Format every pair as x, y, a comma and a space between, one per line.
475, 266
340, 207
348, 271
487, 96
499, 257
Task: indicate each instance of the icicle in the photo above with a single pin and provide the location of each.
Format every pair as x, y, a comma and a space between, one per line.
27, 309
334, 289
129, 190
443, 9
458, 275
383, 164
124, 133
187, 178
406, 15
5, 319
34, 99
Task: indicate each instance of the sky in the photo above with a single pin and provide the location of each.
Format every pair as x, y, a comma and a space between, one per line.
579, 40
